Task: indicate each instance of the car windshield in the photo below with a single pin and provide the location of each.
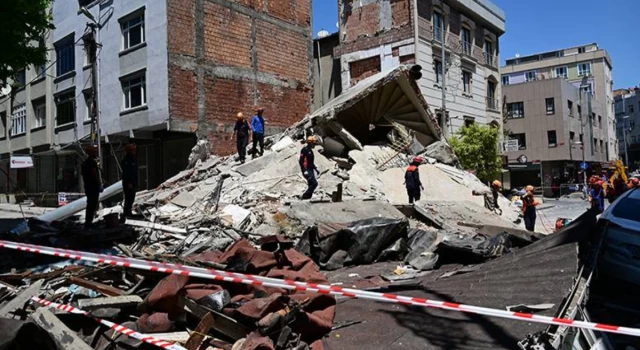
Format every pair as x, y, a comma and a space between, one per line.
628, 207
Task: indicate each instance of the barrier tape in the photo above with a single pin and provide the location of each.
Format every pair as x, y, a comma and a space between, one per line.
116, 327
235, 277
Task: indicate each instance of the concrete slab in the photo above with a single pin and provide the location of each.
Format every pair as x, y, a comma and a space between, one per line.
237, 214
282, 144
343, 212
64, 337
118, 302
21, 299
184, 199
258, 164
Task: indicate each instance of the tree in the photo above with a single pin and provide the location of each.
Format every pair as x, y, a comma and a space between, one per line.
477, 148
22, 33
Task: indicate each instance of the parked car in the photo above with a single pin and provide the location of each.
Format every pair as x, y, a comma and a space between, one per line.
620, 256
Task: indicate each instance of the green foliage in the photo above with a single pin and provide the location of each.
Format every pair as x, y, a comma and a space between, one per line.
23, 26
477, 148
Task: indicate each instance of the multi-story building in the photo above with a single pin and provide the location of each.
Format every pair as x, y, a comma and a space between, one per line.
627, 102
376, 36
555, 133
169, 72
587, 67
326, 69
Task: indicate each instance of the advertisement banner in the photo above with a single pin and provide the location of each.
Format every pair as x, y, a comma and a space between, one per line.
21, 162
62, 199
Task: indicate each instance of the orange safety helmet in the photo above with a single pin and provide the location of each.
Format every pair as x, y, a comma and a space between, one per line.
635, 181
530, 188
497, 184
418, 160
312, 139
240, 116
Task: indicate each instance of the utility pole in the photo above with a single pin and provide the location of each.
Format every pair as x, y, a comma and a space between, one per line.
91, 46
444, 84
591, 117
624, 132
584, 171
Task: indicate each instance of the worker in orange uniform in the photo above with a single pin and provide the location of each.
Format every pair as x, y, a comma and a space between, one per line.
412, 180
308, 166
529, 205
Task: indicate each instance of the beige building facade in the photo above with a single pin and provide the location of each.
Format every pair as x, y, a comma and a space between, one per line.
587, 67
545, 117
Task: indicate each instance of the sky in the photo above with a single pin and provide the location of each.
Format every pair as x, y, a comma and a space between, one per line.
535, 26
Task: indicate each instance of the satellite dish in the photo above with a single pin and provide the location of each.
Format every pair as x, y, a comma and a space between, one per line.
323, 34
517, 55
5, 90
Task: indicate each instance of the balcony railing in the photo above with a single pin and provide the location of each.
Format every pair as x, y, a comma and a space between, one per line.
437, 34
493, 103
466, 47
490, 60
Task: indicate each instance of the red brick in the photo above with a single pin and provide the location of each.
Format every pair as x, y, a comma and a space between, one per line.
183, 103
294, 11
284, 106
181, 26
227, 36
391, 36
400, 12
362, 21
363, 69
282, 52
408, 59
254, 4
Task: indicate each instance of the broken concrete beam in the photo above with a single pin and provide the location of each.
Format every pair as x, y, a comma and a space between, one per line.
79, 205
123, 301
282, 144
64, 337
21, 299
154, 226
237, 215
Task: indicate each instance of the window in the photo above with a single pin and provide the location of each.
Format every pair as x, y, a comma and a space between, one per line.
438, 26
41, 71
19, 120
630, 108
581, 137
570, 107
468, 121
465, 38
584, 68
437, 67
572, 136
595, 145
132, 31
530, 76
84, 3
88, 103
551, 105
505, 80
134, 92
21, 78
492, 102
581, 49
522, 140
632, 125
65, 57
561, 72
588, 89
551, 138
601, 146
600, 121
466, 81
39, 113
65, 109
579, 111
488, 51
3, 120
515, 110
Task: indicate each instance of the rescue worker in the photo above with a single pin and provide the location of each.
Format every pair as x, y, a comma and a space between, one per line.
495, 193
529, 204
597, 196
242, 131
129, 165
308, 166
635, 182
257, 126
92, 185
412, 180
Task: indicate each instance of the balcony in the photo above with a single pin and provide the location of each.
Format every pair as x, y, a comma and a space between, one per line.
437, 34
466, 47
493, 104
490, 60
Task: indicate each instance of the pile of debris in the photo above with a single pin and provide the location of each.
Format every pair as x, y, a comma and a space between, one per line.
248, 218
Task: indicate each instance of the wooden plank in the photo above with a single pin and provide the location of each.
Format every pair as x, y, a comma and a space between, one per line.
21, 299
97, 286
118, 302
223, 324
198, 335
64, 337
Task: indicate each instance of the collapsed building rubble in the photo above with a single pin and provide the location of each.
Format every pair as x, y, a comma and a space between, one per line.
248, 218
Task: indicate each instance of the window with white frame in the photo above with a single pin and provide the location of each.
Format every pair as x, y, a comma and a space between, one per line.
505, 80
65, 56
41, 70
437, 67
438, 26
561, 72
39, 113
515, 110
584, 68
488, 51
550, 105
465, 38
133, 32
65, 108
530, 75
19, 120
588, 88
134, 91
466, 82
88, 102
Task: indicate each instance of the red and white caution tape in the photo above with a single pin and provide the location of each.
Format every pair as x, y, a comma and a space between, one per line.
235, 277
116, 327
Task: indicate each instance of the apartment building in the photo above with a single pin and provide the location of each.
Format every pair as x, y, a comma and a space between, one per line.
169, 72
555, 133
587, 66
376, 36
627, 104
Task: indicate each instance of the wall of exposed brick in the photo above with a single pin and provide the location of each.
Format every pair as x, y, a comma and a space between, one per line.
229, 56
363, 69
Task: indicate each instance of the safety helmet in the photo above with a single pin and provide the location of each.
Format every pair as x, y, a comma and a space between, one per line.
312, 139
593, 179
240, 116
130, 147
417, 160
635, 181
599, 183
497, 184
260, 109
529, 188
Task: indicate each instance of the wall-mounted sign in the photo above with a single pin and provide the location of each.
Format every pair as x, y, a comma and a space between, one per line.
21, 162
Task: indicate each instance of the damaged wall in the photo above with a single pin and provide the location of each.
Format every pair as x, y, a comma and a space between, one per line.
375, 36
232, 56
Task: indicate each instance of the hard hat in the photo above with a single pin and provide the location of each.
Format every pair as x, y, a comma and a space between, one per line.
130, 147
497, 184
240, 115
312, 139
530, 188
635, 181
593, 179
599, 183
417, 159
90, 148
